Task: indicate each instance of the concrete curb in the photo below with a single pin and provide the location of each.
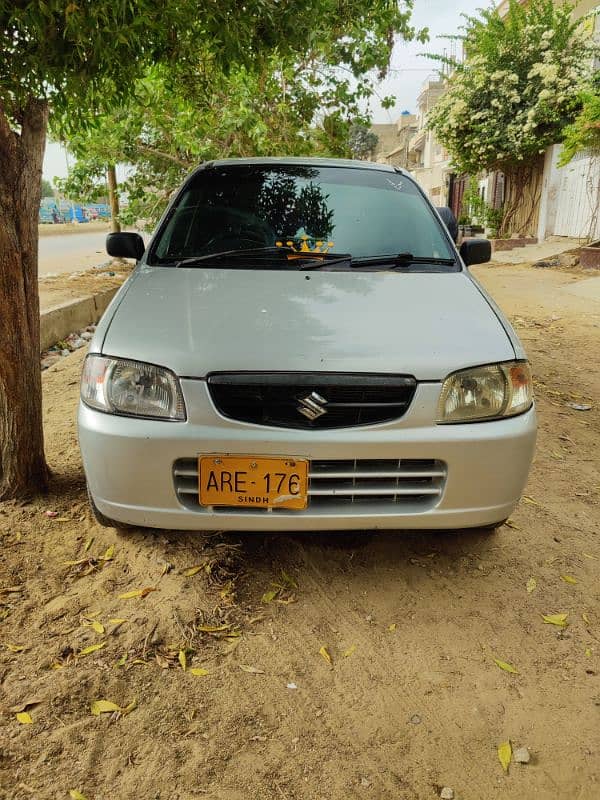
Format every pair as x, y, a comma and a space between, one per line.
58, 322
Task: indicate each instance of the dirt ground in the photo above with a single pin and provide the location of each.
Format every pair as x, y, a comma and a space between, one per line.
58, 289
73, 227
413, 700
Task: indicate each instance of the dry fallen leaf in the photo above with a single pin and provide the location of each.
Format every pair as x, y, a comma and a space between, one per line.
191, 571
103, 707
392, 627
129, 708
585, 618
91, 649
95, 625
269, 596
198, 672
512, 524
108, 554
506, 666
505, 754
24, 718
588, 652
349, 651
182, 659
137, 593
288, 581
531, 585
325, 654
530, 500
88, 544
74, 794
213, 628
15, 648
568, 579
251, 670
556, 619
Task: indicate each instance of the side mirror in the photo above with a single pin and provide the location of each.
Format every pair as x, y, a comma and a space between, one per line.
449, 220
476, 251
125, 245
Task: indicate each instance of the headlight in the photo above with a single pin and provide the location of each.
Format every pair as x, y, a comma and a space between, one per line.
119, 386
499, 390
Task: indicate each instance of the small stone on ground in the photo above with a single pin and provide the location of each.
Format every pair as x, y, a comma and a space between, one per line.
522, 756
447, 793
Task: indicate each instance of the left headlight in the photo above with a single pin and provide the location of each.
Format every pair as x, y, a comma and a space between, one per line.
131, 388
491, 392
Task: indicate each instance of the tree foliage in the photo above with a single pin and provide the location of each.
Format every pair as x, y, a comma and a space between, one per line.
584, 132
295, 104
361, 140
515, 91
47, 190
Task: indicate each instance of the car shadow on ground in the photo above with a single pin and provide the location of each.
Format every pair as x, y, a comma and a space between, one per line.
258, 558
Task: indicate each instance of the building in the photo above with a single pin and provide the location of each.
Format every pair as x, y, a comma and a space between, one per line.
431, 160
409, 144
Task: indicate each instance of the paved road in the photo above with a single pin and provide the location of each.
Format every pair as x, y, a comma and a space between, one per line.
71, 252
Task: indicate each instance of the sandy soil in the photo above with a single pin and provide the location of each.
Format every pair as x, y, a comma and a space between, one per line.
413, 700
62, 288
73, 227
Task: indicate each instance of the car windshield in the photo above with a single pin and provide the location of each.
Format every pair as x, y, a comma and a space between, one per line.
360, 212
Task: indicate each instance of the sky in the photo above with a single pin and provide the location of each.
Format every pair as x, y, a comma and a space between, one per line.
407, 73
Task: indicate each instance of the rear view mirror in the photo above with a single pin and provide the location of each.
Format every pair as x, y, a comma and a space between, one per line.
125, 245
476, 251
449, 220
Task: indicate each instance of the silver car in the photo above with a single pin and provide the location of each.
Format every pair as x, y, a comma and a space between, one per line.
302, 347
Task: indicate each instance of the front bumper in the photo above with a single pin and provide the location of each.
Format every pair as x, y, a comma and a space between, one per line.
129, 465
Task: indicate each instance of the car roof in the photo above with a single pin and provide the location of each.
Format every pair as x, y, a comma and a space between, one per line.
303, 161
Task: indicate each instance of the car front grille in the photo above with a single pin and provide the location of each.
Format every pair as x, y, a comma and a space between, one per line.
311, 400
403, 485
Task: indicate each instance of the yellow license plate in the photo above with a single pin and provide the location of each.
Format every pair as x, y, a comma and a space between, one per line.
251, 482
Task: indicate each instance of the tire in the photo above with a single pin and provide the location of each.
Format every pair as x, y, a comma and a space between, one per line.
106, 522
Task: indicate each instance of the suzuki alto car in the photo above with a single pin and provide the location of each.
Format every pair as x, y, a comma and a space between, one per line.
302, 347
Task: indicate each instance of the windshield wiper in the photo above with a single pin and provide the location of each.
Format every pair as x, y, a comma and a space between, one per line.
251, 251
317, 259
402, 260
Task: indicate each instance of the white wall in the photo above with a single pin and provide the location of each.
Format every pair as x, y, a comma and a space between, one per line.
570, 199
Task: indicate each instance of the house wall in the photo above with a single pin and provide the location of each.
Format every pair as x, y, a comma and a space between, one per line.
570, 203
387, 136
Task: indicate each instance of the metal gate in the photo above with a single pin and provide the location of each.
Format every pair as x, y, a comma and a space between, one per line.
578, 198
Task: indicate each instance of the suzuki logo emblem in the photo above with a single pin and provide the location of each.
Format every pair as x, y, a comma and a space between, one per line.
312, 406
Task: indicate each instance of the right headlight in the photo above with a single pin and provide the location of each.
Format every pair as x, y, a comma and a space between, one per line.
491, 392
131, 388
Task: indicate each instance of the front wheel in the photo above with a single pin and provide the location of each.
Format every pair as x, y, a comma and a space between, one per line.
106, 522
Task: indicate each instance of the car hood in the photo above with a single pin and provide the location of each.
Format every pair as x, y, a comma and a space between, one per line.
198, 321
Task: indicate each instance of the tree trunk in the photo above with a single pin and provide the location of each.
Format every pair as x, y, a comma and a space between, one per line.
113, 198
22, 463
523, 185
